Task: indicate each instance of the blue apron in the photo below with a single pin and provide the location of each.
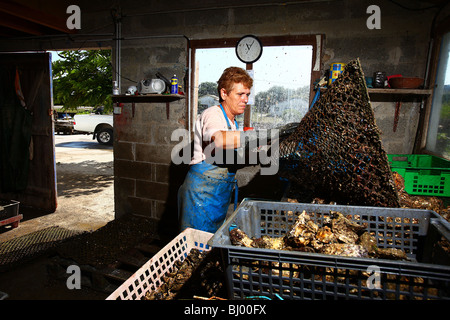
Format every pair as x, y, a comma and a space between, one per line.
205, 195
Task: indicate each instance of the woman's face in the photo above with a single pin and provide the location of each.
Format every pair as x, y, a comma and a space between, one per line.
236, 100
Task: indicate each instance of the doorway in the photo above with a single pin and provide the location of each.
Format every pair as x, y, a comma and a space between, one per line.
78, 171
84, 167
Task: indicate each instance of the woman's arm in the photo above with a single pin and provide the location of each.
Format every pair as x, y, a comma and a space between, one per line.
238, 139
227, 139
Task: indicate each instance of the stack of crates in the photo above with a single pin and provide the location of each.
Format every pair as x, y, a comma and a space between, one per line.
424, 175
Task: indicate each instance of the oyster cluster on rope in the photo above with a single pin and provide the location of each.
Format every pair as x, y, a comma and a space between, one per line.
336, 150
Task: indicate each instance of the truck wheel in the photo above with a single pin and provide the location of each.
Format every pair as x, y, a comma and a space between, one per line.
105, 136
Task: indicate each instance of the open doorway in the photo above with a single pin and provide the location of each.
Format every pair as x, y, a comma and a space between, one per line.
71, 179
84, 167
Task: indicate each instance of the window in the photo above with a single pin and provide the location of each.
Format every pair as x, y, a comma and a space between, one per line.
210, 64
282, 85
438, 137
282, 78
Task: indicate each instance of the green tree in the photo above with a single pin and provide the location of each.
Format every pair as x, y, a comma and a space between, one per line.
83, 78
265, 99
207, 88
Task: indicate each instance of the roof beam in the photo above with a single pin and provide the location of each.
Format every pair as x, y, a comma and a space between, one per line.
34, 15
15, 23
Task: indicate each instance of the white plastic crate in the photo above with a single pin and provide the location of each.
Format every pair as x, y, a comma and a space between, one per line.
148, 277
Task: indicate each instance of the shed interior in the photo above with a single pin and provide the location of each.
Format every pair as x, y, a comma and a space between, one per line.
146, 38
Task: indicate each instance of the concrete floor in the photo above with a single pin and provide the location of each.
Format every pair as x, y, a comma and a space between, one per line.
85, 188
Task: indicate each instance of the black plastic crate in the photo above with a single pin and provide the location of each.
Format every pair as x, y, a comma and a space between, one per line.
8, 209
302, 275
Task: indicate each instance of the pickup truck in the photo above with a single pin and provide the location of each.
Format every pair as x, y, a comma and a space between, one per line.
101, 126
63, 123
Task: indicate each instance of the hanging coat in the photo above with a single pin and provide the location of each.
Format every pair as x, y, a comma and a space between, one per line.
15, 136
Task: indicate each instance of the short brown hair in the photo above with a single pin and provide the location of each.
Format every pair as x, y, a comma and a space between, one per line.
233, 75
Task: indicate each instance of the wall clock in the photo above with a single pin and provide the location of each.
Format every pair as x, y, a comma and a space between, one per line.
249, 49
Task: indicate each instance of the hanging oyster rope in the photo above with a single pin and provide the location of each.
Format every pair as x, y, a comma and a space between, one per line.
337, 150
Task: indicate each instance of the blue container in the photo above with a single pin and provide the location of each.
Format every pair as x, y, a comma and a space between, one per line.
335, 70
174, 85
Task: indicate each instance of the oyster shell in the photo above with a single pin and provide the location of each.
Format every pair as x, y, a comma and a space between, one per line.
302, 232
391, 253
344, 229
239, 238
345, 249
325, 235
267, 242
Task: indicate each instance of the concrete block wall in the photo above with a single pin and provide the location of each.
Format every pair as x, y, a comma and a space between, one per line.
146, 182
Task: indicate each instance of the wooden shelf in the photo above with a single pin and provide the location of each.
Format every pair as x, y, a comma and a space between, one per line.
387, 91
396, 95
423, 92
147, 98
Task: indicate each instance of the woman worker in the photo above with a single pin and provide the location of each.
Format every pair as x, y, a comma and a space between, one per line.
205, 195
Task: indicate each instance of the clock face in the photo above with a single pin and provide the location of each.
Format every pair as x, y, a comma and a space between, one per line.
249, 49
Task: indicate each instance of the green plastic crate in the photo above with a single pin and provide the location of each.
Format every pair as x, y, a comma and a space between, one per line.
424, 175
